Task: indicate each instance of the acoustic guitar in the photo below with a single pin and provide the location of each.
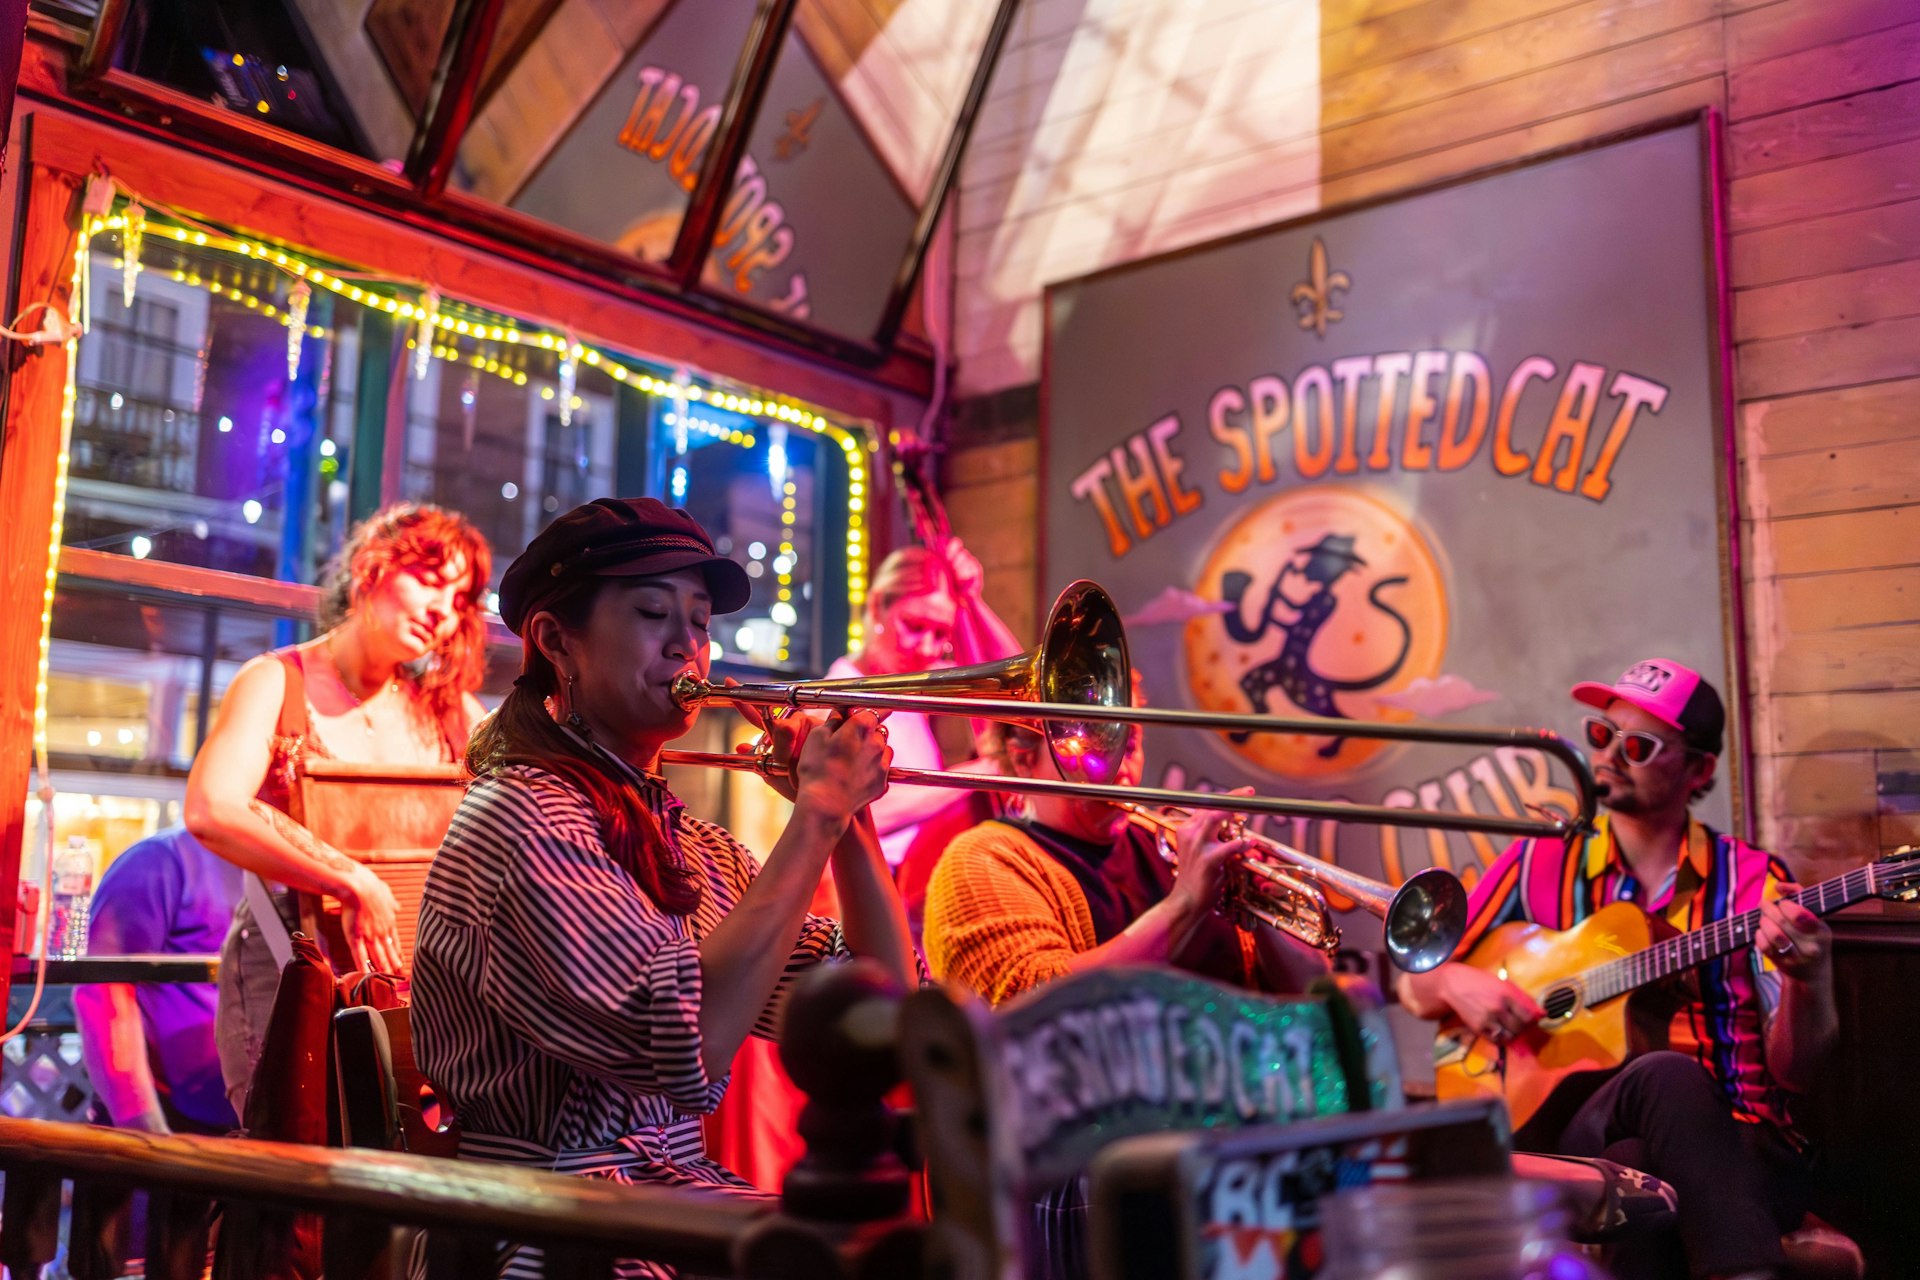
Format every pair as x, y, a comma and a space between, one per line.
1586, 977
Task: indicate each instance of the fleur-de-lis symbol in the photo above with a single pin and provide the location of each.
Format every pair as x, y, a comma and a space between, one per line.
1314, 295
799, 126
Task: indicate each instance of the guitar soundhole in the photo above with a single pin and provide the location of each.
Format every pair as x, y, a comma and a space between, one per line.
1560, 1002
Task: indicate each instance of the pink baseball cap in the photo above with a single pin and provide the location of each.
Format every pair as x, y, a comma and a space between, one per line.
1670, 692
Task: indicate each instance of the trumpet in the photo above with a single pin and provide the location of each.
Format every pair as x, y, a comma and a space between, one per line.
1277, 885
1075, 689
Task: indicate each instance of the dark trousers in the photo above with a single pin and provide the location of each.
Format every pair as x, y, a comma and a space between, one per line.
1740, 1185
1055, 1245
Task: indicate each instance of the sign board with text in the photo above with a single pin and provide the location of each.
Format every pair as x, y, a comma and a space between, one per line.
1438, 457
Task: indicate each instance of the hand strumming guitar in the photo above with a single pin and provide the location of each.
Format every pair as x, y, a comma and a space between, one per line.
1487, 1005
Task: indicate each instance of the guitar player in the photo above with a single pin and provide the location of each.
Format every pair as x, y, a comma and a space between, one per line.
1709, 1114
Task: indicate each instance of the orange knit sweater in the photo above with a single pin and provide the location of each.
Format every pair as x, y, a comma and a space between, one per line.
1002, 916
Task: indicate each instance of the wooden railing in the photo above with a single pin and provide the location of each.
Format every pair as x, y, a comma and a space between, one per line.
842, 1215
467, 1208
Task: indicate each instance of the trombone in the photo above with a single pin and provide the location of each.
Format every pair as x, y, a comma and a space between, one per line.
1075, 687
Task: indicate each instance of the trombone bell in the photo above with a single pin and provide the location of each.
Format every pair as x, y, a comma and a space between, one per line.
1080, 662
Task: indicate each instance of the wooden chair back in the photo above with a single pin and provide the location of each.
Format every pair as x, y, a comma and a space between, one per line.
390, 817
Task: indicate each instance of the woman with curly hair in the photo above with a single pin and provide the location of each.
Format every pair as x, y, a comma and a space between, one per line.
391, 681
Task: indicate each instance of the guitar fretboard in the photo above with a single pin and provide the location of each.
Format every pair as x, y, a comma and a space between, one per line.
1676, 955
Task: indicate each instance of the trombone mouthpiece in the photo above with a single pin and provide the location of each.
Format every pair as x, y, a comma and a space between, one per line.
689, 691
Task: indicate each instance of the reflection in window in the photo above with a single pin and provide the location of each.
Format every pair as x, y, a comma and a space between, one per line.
485, 434
257, 58
815, 226
756, 487
817, 222
190, 442
134, 678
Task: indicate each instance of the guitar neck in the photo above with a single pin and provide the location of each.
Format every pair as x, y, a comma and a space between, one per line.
1688, 950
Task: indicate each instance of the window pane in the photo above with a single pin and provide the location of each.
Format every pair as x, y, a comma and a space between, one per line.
816, 224
603, 122
190, 442
607, 138
311, 67
130, 673
486, 436
902, 67
134, 676
756, 486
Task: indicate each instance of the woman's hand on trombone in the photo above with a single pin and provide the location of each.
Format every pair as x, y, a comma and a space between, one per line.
838, 759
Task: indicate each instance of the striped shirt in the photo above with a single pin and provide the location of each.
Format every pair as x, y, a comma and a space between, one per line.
1723, 1024
556, 1008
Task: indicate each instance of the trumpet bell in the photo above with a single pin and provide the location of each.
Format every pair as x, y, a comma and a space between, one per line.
1425, 920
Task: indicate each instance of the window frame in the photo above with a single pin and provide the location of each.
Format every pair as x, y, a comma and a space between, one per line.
423, 187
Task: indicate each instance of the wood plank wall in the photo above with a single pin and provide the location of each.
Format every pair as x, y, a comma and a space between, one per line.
1822, 103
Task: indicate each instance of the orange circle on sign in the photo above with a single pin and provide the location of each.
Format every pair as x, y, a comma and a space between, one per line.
1338, 598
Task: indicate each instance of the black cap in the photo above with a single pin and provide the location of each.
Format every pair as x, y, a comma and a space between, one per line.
617, 538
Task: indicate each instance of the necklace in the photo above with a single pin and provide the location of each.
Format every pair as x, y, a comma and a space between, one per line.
359, 703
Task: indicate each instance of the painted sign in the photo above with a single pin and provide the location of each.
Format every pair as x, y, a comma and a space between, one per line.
1245, 1205
1435, 458
1141, 1050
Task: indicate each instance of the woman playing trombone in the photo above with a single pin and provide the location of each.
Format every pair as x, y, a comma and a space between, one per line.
589, 955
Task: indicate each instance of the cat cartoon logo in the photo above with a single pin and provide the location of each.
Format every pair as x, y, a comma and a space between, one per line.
1335, 597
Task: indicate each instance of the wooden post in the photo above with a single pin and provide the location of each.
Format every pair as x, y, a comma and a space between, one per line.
177, 1231
29, 1221
99, 1237
29, 458
843, 1205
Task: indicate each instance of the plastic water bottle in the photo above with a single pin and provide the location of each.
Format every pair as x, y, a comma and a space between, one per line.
72, 904
1466, 1229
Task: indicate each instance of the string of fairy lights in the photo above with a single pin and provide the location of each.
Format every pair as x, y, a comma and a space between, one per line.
442, 325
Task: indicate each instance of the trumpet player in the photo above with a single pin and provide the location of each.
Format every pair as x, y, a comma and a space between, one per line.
1062, 885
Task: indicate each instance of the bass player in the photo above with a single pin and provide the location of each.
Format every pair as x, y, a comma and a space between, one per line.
1709, 1113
